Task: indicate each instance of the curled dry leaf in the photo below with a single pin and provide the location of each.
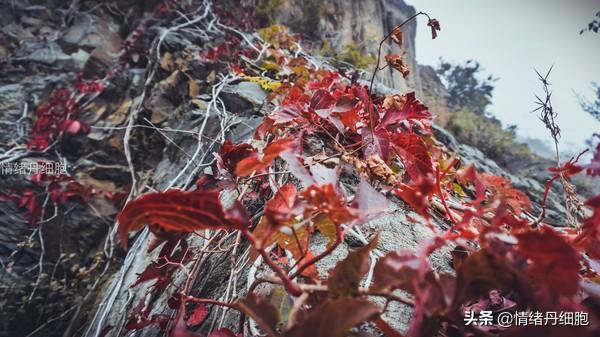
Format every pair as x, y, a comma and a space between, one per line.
435, 27
396, 101
395, 61
381, 170
397, 36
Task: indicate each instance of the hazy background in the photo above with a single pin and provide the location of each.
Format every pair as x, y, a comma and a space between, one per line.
510, 38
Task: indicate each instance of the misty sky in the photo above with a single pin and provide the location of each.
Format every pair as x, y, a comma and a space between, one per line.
510, 38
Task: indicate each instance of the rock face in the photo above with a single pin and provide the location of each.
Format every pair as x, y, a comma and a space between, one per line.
178, 109
346, 22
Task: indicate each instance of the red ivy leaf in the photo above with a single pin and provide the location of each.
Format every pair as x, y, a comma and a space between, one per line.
502, 189
261, 311
406, 108
223, 333
413, 152
593, 168
325, 199
28, 200
376, 143
396, 270
198, 315
179, 211
231, 154
74, 127
470, 175
417, 194
363, 94
346, 276
554, 262
322, 99
255, 164
589, 238
334, 318
180, 326
279, 210
387, 330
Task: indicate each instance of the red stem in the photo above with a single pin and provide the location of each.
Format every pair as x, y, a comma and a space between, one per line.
438, 186
338, 241
208, 301
289, 285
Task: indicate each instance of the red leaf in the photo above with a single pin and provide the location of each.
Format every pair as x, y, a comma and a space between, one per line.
593, 168
376, 143
503, 190
180, 327
365, 97
368, 201
261, 311
407, 109
74, 127
28, 200
417, 194
198, 315
589, 238
179, 211
387, 330
334, 318
569, 168
413, 152
347, 274
321, 99
396, 270
470, 175
554, 262
231, 154
223, 333
255, 164
325, 199
279, 209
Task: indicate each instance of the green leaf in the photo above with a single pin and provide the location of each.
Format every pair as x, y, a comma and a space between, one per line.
347, 274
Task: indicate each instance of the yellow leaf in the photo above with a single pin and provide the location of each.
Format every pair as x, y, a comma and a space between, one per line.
326, 227
193, 89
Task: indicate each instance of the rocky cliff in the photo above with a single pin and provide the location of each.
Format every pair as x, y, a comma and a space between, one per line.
154, 104
342, 23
